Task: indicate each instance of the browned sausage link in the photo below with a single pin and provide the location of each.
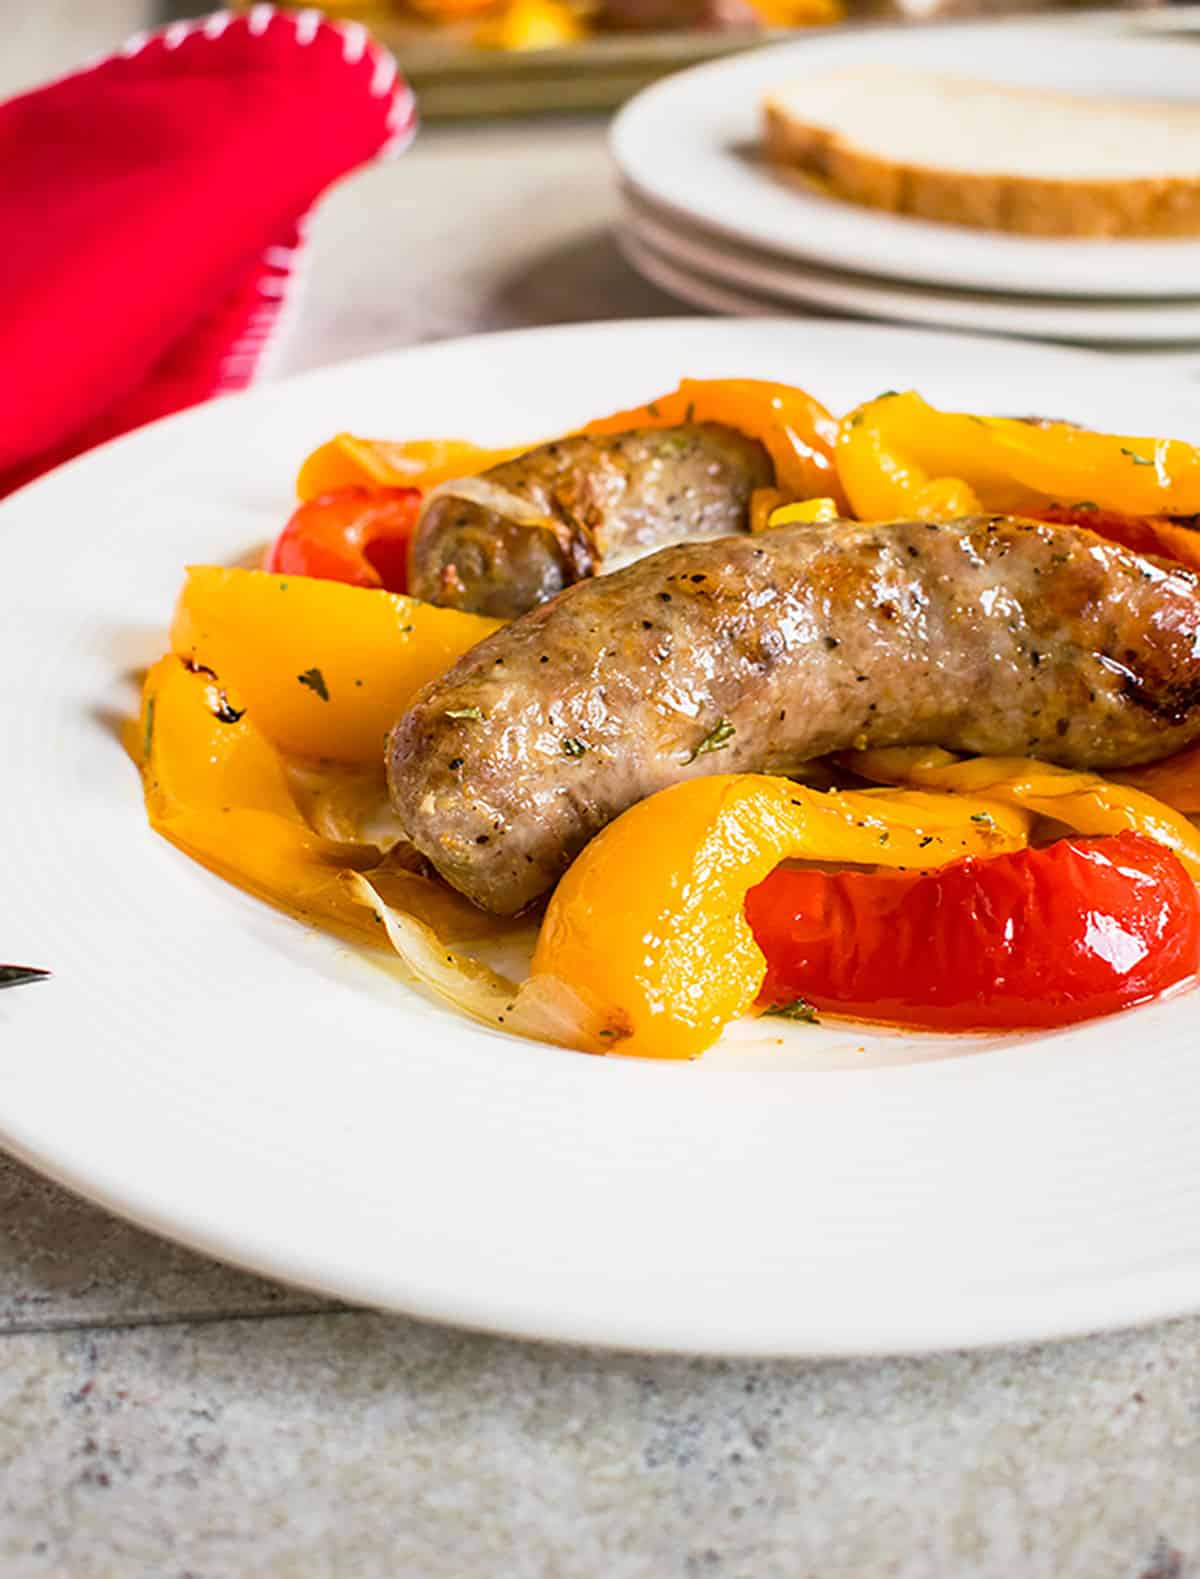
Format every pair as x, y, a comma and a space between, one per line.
758, 653
504, 542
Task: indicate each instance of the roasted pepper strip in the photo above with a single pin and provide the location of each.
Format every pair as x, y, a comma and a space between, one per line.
1085, 802
898, 456
809, 512
795, 430
668, 960
1175, 780
325, 669
347, 461
214, 787
1144, 534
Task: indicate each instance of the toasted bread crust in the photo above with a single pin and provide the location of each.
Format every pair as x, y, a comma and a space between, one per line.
1026, 205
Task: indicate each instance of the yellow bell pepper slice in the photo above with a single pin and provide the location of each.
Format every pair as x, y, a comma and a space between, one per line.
795, 429
808, 511
898, 456
648, 925
215, 788
1085, 802
348, 461
325, 668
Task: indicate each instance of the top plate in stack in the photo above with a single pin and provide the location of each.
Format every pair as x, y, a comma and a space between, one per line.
707, 216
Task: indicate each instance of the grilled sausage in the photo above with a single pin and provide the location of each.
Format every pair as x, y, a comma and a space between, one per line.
500, 543
755, 654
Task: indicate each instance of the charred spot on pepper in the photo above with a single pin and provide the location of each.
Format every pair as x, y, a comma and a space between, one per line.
194, 667
225, 710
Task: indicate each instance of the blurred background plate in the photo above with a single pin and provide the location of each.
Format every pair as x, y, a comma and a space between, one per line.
703, 267
691, 145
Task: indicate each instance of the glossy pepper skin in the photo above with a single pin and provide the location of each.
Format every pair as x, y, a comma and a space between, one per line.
1028, 940
216, 788
324, 668
1082, 801
356, 535
648, 924
795, 429
898, 455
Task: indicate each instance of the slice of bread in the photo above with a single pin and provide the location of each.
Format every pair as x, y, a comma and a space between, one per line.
997, 157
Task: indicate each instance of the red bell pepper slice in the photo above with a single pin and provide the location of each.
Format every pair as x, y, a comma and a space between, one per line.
357, 535
1038, 938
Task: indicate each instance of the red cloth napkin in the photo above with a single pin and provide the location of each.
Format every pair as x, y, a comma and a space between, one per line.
152, 213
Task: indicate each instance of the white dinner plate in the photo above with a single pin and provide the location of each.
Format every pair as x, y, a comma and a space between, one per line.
769, 283
225, 1076
691, 143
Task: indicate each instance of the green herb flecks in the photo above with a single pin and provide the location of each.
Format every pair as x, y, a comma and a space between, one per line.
315, 681
574, 748
982, 816
715, 740
148, 728
1138, 460
472, 713
799, 1009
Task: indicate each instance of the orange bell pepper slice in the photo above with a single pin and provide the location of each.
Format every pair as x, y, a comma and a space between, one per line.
794, 428
666, 961
347, 461
898, 456
325, 668
1144, 534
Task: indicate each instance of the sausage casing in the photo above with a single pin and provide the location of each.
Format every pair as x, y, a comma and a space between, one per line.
986, 635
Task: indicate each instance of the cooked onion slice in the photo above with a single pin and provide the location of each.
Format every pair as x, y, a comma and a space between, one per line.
542, 1008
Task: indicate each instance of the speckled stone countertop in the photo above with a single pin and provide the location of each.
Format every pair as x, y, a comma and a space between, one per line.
163, 1417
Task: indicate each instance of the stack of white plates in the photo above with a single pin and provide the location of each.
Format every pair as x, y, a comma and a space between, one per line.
706, 218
